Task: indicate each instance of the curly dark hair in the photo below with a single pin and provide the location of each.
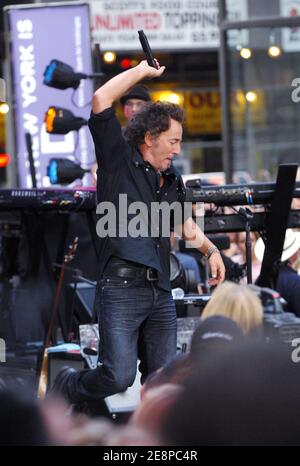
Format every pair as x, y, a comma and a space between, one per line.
153, 117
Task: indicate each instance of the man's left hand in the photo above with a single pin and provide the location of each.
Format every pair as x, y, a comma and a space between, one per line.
217, 269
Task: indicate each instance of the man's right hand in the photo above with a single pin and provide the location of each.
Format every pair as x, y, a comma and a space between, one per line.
150, 71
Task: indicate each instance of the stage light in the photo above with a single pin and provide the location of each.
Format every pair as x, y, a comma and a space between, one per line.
251, 96
4, 160
172, 97
245, 53
109, 57
62, 76
64, 171
125, 63
61, 121
274, 51
4, 108
169, 96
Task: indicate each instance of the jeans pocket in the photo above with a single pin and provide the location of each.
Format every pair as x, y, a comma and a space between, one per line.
118, 282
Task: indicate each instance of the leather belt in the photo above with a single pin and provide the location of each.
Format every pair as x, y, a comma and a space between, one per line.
134, 272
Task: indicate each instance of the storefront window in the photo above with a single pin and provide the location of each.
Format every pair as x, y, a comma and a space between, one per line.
250, 9
265, 112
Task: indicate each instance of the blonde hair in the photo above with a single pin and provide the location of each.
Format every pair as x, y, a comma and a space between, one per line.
237, 302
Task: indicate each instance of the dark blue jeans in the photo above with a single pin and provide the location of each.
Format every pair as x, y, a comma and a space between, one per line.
136, 320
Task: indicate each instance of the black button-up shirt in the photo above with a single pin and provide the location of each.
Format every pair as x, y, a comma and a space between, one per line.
122, 170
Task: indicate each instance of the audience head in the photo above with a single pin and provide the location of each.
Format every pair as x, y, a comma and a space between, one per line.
248, 396
241, 243
131, 435
134, 99
174, 372
152, 410
212, 335
291, 248
21, 419
237, 302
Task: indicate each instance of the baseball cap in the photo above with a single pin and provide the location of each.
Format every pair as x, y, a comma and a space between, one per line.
215, 331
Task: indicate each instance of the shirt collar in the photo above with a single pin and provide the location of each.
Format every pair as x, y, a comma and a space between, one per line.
137, 159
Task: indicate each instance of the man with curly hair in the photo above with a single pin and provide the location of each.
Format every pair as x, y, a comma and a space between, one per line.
136, 312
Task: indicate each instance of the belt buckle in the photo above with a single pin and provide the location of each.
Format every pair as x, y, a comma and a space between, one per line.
148, 275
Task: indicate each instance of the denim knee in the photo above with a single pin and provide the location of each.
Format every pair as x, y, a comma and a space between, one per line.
118, 381
122, 384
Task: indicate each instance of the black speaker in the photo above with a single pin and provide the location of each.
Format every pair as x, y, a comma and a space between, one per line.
79, 304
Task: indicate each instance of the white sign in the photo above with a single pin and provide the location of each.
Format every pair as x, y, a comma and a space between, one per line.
290, 36
169, 24
2, 90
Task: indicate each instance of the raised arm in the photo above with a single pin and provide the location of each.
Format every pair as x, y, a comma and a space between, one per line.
113, 89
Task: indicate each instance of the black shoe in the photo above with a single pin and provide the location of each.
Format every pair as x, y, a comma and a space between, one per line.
61, 382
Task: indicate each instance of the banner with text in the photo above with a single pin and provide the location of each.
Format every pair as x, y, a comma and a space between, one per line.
169, 24
39, 34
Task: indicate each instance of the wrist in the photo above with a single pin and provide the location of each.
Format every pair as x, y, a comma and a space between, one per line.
211, 250
142, 72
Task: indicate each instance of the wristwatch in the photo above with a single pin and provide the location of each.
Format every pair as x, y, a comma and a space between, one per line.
211, 251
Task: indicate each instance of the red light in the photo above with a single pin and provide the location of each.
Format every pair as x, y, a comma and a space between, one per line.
4, 160
125, 63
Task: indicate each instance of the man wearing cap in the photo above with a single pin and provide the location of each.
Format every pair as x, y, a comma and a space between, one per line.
288, 280
134, 99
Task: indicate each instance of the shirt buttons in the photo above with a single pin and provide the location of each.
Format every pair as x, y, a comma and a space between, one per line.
136, 164
147, 169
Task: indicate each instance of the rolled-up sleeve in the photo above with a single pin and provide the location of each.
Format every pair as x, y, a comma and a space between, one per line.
110, 145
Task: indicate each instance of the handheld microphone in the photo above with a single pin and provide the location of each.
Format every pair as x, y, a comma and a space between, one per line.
147, 49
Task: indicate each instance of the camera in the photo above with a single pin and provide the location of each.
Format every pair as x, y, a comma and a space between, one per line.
278, 324
181, 276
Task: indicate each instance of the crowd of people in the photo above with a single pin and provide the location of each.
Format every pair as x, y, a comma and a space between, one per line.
231, 388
